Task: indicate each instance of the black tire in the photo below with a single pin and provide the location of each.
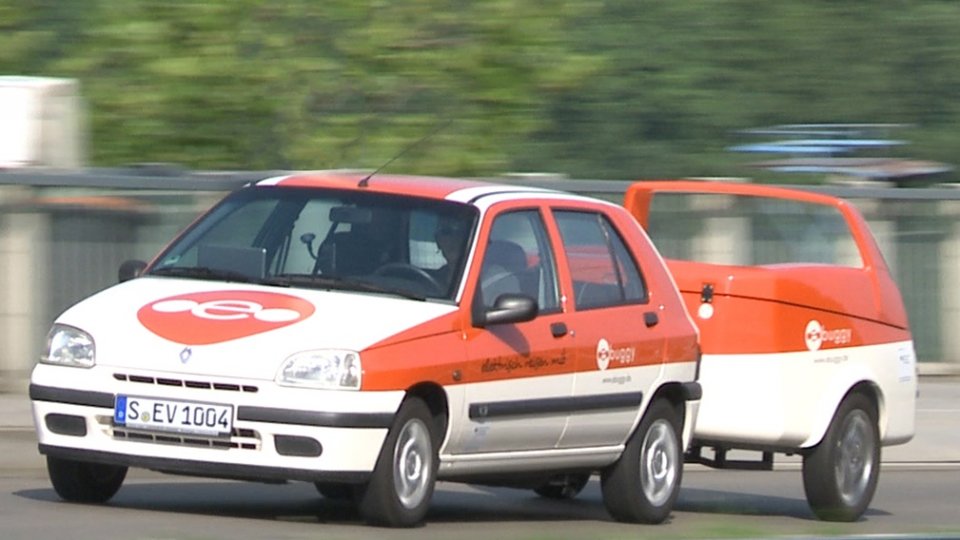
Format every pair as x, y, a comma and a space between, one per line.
399, 491
643, 485
77, 481
840, 474
335, 490
566, 486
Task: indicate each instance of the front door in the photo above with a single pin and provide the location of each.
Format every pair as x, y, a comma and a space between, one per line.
520, 375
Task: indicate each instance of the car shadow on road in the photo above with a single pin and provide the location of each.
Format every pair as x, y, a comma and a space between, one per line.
710, 501
299, 502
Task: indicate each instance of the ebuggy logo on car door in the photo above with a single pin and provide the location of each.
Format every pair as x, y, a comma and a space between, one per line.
213, 317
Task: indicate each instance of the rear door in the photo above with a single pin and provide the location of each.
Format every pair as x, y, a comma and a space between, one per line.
617, 333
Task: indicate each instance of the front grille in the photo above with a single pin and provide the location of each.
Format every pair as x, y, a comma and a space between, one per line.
185, 383
240, 439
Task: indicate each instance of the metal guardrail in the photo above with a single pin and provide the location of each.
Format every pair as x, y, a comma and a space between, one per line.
173, 178
145, 176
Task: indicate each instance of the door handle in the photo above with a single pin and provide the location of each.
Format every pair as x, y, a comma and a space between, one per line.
650, 319
558, 329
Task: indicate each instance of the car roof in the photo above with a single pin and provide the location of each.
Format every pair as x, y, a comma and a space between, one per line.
433, 187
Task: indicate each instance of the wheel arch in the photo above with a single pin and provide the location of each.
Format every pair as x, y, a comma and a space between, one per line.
672, 392
866, 387
435, 397
678, 395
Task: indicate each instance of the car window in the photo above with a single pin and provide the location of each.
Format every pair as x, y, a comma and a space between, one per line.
313, 222
603, 272
749, 230
237, 228
518, 259
330, 239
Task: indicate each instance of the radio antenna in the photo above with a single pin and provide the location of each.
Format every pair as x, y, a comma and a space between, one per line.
365, 181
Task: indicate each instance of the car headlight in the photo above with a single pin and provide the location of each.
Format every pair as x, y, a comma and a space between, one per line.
334, 369
69, 346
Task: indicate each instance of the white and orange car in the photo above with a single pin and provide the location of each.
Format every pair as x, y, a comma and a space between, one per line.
375, 334
806, 346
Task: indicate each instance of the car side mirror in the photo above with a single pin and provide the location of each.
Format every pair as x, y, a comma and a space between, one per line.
130, 269
507, 309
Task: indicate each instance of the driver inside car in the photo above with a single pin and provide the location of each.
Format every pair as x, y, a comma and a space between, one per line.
450, 236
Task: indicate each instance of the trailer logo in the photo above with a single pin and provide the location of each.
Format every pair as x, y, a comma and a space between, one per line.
214, 317
607, 354
815, 335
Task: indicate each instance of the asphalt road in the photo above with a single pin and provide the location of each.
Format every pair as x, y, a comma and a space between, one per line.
713, 504
918, 494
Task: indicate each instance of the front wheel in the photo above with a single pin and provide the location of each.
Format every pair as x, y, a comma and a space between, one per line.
644, 483
401, 486
840, 474
78, 481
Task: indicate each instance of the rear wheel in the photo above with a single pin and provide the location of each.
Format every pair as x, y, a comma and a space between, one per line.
566, 486
643, 484
402, 483
78, 481
840, 474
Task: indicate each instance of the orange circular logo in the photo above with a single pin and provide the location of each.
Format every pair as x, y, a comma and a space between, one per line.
214, 317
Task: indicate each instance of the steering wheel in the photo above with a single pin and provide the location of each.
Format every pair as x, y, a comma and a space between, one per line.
409, 272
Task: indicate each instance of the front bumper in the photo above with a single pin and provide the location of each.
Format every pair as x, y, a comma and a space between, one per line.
279, 433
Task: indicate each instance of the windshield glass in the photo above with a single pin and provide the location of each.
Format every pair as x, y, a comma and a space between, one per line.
328, 239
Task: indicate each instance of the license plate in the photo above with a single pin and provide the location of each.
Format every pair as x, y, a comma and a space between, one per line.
170, 415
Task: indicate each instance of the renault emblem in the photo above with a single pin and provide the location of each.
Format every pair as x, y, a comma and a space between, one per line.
185, 354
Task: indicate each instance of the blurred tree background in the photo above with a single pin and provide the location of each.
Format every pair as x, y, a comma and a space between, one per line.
594, 89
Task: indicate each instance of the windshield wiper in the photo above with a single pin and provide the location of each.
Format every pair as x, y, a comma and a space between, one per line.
284, 280
203, 272
336, 283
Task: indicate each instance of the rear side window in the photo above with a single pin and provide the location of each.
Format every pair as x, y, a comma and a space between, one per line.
603, 271
748, 230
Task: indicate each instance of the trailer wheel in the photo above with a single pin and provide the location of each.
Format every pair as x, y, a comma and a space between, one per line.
840, 474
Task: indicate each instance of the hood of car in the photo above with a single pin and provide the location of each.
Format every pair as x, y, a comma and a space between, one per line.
233, 329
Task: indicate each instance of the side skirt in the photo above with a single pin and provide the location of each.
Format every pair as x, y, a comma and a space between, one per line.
464, 466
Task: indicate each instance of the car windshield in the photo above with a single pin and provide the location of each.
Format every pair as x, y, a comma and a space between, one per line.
328, 239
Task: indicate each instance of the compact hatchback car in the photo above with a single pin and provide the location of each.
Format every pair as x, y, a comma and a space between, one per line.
373, 334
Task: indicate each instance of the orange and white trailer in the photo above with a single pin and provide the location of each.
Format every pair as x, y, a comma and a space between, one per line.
806, 345
373, 334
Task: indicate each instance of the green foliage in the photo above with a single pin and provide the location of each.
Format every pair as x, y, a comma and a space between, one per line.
612, 89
